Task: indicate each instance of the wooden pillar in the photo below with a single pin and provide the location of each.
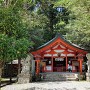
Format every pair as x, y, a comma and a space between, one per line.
44, 67
66, 62
37, 59
80, 61
37, 67
52, 63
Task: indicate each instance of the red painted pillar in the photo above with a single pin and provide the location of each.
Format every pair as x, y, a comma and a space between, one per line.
37, 67
80, 59
44, 67
37, 59
80, 66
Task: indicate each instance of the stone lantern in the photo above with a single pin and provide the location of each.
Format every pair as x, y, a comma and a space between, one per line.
88, 71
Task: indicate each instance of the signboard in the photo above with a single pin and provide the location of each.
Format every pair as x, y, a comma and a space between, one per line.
59, 59
43, 63
75, 63
48, 68
44, 60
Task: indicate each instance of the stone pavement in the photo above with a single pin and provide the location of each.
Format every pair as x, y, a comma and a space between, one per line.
63, 85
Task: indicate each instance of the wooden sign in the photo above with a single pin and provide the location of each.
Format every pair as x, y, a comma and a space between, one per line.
59, 59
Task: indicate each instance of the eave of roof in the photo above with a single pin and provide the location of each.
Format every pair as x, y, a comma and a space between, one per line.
61, 37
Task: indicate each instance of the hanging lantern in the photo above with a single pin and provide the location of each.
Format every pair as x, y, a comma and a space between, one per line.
59, 54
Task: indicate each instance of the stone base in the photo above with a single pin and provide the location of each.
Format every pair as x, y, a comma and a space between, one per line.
26, 78
88, 77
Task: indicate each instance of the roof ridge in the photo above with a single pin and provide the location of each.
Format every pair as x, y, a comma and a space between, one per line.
58, 35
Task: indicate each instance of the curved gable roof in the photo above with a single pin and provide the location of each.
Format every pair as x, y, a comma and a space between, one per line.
58, 36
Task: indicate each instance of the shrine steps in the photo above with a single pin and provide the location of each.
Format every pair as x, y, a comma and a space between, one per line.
59, 76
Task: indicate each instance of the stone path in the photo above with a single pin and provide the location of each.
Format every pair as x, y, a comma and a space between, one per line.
64, 85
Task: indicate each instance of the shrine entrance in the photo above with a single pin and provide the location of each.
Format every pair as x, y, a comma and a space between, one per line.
59, 65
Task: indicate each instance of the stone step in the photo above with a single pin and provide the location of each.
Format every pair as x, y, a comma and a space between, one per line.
59, 76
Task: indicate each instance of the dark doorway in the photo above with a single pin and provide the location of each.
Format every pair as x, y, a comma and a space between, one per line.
59, 64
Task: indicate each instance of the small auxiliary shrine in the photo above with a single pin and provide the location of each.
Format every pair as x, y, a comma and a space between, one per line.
59, 55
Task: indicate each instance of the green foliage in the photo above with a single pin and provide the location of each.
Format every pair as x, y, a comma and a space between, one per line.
30, 23
55, 21
35, 24
7, 48
73, 23
22, 47
14, 36
79, 32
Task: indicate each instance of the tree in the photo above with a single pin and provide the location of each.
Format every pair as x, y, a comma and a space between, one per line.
79, 17
14, 36
36, 26
57, 17
8, 52
79, 32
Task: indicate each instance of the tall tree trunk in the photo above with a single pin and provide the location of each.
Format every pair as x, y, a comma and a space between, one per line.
19, 66
0, 76
11, 72
1, 66
51, 27
30, 71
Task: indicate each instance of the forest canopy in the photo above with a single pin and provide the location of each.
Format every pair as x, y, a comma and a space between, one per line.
27, 24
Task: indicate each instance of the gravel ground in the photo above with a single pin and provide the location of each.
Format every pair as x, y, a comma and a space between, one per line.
64, 85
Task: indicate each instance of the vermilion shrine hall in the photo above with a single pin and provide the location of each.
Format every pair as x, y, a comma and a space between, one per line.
59, 55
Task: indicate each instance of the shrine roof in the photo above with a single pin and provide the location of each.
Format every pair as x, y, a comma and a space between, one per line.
63, 39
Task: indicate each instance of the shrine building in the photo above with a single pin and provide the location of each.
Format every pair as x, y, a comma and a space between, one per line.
59, 55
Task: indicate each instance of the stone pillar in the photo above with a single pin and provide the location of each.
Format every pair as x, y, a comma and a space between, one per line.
88, 71
26, 74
